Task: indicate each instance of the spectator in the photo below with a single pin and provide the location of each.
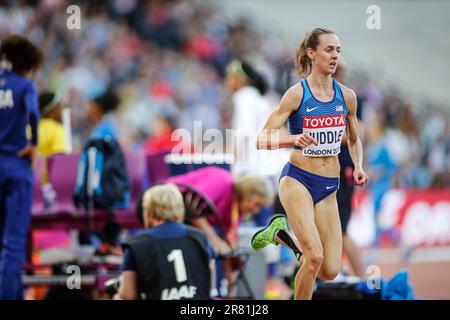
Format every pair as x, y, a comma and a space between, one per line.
51, 131
100, 114
161, 139
382, 169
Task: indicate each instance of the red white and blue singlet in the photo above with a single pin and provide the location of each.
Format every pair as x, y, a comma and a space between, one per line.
324, 121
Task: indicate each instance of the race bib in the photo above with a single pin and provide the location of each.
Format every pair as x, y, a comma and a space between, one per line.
328, 131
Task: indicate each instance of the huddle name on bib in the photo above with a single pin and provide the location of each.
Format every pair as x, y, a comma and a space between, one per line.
328, 131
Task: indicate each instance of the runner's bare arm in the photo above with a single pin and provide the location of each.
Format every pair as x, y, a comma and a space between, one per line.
270, 137
354, 142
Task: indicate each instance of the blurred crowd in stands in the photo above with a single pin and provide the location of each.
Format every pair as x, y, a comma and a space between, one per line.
166, 60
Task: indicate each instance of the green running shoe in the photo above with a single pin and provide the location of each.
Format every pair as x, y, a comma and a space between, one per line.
267, 235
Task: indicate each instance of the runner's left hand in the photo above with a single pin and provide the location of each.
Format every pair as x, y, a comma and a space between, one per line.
360, 177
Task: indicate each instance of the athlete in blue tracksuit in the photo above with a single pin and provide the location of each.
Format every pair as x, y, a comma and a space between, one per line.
18, 109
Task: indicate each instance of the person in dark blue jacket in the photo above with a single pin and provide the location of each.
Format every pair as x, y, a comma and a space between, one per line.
19, 59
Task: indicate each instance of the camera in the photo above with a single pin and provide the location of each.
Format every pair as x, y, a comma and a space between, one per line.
112, 286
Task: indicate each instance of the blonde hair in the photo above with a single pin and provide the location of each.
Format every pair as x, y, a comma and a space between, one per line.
303, 63
164, 202
249, 184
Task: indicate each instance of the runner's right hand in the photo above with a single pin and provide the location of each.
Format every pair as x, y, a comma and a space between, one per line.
304, 139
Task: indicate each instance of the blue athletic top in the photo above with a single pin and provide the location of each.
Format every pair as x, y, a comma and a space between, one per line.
324, 121
18, 108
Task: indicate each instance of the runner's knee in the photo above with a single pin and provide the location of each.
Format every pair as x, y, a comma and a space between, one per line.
313, 262
328, 271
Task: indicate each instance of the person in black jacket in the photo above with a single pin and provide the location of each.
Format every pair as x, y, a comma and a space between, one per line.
169, 260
